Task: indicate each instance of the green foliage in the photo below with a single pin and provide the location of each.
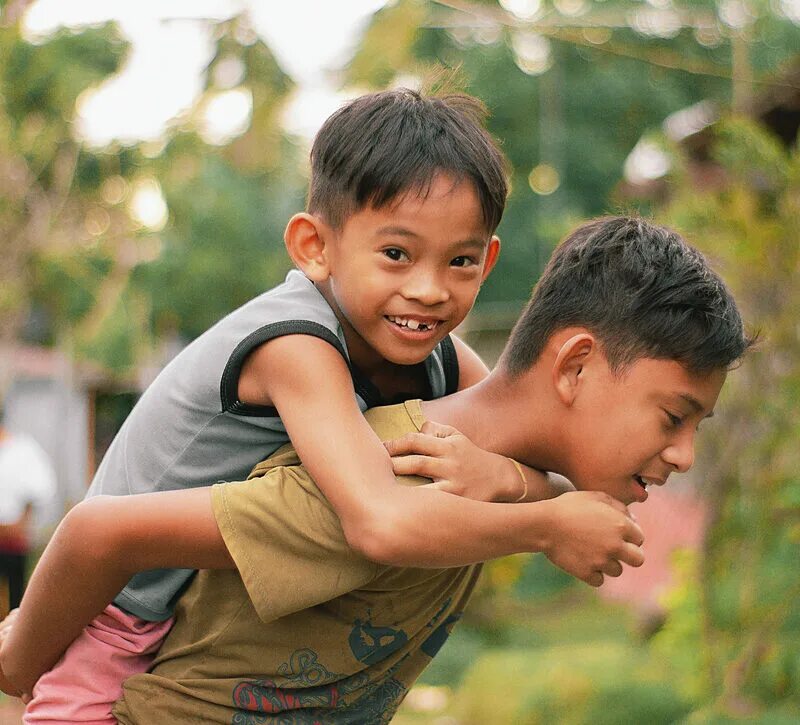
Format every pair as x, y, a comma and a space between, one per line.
41, 206
582, 116
109, 287
388, 44
604, 682
224, 244
739, 600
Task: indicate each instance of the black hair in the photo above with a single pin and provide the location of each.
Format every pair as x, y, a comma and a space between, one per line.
642, 289
383, 145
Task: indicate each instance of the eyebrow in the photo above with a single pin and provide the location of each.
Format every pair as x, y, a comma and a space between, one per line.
695, 403
403, 232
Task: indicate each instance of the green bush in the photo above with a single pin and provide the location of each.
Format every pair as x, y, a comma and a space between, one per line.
602, 683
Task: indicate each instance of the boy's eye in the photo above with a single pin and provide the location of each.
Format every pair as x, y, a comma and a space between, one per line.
675, 421
395, 254
463, 261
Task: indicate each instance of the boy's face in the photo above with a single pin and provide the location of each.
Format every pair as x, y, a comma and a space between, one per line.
634, 429
405, 275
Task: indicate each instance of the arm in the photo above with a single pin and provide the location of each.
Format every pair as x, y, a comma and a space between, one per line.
309, 383
96, 549
457, 466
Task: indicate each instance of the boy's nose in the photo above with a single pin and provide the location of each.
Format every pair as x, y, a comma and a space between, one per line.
427, 289
680, 453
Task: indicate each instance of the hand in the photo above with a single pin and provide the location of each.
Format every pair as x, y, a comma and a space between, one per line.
592, 535
456, 464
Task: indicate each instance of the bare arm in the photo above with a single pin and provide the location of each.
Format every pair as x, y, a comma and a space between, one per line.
309, 383
457, 466
96, 549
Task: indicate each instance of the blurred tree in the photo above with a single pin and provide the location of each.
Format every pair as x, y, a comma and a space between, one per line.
740, 597
46, 179
571, 85
107, 252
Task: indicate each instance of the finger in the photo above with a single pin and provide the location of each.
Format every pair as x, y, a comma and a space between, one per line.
631, 554
595, 579
415, 443
612, 568
440, 430
634, 534
446, 486
618, 505
417, 466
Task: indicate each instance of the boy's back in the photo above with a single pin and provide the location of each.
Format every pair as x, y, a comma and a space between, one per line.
190, 428
314, 626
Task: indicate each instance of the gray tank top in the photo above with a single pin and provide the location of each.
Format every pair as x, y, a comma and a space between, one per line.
190, 429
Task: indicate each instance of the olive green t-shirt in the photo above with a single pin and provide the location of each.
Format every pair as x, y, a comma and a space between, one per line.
306, 631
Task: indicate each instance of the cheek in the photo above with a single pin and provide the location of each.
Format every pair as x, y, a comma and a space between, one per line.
465, 291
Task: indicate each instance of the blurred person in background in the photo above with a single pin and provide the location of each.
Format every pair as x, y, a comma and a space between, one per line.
27, 482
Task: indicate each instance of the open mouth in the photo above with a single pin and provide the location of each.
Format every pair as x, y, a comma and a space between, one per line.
409, 323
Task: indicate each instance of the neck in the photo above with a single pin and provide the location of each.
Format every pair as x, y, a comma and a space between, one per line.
511, 417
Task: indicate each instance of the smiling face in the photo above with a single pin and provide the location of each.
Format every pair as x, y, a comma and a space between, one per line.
401, 277
633, 429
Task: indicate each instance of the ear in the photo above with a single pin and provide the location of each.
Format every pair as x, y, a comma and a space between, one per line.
568, 365
306, 238
492, 253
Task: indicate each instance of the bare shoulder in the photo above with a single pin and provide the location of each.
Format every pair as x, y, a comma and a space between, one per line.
289, 360
471, 369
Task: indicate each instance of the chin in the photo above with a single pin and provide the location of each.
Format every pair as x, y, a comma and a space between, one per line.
409, 357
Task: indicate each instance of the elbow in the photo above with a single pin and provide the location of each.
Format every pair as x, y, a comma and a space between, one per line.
84, 537
379, 537
11, 673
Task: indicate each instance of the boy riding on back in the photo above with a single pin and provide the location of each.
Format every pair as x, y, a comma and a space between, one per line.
406, 193
616, 361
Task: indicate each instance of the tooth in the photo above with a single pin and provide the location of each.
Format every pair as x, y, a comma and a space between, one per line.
413, 324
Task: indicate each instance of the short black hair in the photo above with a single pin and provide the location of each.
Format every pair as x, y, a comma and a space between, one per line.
382, 145
642, 289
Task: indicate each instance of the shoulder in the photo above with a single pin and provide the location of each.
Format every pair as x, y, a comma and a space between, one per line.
471, 368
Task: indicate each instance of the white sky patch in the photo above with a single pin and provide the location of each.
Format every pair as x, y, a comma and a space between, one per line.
791, 9
646, 162
171, 47
309, 37
690, 120
523, 9
157, 82
147, 204
227, 115
310, 105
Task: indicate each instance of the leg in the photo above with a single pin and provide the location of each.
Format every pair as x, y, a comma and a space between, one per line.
87, 680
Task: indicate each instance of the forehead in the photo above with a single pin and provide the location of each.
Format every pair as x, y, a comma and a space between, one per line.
668, 379
446, 202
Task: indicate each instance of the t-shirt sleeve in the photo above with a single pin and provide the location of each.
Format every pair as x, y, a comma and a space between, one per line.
287, 542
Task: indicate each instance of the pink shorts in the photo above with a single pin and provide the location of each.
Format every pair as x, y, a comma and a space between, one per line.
87, 680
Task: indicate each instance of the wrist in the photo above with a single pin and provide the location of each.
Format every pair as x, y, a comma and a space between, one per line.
521, 488
542, 517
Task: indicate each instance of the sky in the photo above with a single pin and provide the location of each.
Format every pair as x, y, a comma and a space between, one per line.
170, 47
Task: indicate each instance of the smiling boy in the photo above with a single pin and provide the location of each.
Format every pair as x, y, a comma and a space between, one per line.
619, 356
406, 193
